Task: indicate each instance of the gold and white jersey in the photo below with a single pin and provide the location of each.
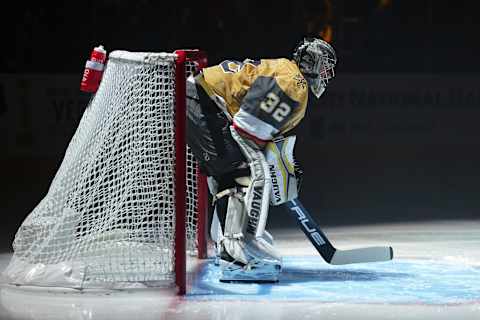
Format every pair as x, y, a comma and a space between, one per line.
264, 98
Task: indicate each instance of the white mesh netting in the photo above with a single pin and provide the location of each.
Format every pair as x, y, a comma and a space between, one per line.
109, 217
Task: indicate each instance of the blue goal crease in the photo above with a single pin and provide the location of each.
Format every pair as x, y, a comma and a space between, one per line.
309, 278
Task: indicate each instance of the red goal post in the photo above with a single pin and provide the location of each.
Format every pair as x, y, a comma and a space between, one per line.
199, 58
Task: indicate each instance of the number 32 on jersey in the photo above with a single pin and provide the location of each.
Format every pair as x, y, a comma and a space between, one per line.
272, 105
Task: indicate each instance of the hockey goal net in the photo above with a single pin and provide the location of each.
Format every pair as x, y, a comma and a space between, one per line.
114, 215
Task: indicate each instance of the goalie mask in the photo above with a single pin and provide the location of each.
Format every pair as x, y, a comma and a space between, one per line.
316, 60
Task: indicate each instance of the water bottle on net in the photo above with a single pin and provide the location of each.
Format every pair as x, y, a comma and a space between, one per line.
92, 75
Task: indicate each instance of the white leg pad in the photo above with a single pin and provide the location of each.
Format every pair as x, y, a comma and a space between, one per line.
267, 236
216, 234
264, 263
245, 257
257, 197
245, 254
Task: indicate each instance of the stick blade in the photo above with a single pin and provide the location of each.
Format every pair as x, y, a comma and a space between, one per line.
362, 255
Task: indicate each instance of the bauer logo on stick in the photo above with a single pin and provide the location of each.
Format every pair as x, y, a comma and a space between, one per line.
314, 235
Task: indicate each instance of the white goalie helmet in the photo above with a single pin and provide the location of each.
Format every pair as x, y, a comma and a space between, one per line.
316, 60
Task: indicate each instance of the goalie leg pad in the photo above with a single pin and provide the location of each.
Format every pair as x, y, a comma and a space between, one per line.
217, 223
267, 236
283, 173
257, 198
216, 230
216, 235
264, 264
244, 257
258, 271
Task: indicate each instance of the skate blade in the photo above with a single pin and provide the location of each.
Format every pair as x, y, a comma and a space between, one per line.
248, 281
233, 273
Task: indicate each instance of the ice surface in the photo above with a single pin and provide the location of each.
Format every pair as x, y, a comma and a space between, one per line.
308, 278
435, 275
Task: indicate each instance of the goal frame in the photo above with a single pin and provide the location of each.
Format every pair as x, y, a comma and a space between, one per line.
200, 59
73, 239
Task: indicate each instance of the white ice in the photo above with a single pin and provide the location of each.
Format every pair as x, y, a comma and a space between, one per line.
446, 243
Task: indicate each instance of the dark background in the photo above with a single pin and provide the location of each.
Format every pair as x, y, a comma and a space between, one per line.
379, 178
369, 35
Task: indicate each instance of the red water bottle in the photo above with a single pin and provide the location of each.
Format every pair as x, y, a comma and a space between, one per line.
92, 75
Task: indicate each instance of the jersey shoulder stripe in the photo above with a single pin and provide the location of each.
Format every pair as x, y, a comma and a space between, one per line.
288, 77
268, 102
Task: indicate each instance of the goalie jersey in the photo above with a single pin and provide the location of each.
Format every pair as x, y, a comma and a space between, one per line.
264, 98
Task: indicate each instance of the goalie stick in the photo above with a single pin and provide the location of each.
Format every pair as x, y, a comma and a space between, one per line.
329, 253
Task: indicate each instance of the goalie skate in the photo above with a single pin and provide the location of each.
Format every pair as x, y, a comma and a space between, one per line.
267, 236
216, 234
263, 265
255, 271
